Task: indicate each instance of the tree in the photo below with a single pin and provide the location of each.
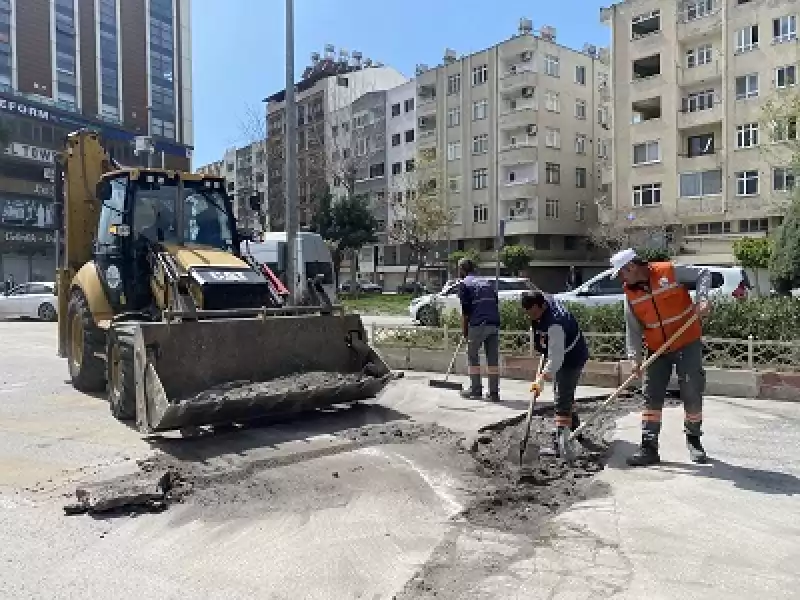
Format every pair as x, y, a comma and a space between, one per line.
651, 254
419, 214
458, 255
618, 229
516, 258
754, 254
784, 263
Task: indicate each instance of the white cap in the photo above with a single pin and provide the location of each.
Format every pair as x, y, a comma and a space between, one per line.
622, 258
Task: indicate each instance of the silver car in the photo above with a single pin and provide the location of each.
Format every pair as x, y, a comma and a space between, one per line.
34, 300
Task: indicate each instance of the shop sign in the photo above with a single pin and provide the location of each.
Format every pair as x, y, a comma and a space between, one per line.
20, 186
9, 236
20, 108
34, 153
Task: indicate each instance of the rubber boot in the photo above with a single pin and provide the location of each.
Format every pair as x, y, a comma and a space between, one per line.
647, 454
697, 453
551, 451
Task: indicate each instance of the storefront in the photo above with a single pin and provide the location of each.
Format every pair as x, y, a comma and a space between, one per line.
27, 254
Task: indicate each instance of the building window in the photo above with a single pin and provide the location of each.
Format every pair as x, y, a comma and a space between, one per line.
377, 170
454, 151
454, 184
580, 75
480, 213
747, 86
785, 76
409, 135
696, 57
747, 183
552, 101
480, 74
580, 177
454, 117
552, 173
646, 153
480, 179
784, 130
715, 228
580, 109
410, 165
397, 168
645, 24
396, 139
698, 101
408, 105
454, 84
784, 29
480, 109
696, 9
747, 135
602, 148
747, 39
551, 65
552, 138
648, 194
480, 144
782, 179
551, 208
580, 144
700, 145
580, 211
396, 110
754, 226
700, 183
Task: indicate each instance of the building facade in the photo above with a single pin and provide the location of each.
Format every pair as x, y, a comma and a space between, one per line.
693, 146
326, 93
245, 173
516, 130
121, 68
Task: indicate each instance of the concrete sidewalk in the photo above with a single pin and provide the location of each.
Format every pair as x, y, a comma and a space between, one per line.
727, 530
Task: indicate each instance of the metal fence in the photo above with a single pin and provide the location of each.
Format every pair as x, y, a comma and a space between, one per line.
759, 355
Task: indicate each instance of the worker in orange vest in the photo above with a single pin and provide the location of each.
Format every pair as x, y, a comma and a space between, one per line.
657, 304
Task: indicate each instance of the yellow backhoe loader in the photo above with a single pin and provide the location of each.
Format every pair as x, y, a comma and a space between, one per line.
158, 306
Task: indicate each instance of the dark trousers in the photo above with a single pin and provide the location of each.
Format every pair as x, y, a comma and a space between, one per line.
565, 384
488, 337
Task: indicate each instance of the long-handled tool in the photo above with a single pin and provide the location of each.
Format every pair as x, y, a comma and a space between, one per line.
444, 383
565, 442
524, 455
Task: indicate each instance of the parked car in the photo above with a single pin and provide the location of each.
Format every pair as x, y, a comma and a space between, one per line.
425, 310
412, 287
364, 287
726, 282
34, 300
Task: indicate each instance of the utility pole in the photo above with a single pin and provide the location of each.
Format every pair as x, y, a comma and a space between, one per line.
291, 161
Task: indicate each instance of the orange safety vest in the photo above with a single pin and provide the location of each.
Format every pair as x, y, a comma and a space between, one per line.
664, 309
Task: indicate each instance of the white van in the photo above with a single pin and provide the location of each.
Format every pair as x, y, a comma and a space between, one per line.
726, 282
313, 259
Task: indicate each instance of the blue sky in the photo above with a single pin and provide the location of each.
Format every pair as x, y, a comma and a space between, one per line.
239, 45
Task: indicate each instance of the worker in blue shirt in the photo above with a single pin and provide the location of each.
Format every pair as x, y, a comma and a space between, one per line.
480, 323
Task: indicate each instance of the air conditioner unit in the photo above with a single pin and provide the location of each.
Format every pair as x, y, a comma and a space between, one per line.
527, 92
526, 56
531, 129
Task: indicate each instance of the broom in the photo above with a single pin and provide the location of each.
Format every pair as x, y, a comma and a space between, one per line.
443, 383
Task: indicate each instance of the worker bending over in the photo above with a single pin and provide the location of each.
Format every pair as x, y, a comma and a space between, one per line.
657, 305
558, 338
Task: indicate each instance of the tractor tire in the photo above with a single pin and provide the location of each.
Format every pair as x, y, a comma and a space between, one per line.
121, 380
84, 339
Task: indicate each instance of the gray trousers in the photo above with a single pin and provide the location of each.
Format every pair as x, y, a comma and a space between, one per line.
564, 385
487, 336
688, 361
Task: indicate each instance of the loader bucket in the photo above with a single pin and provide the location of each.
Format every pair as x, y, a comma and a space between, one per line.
236, 370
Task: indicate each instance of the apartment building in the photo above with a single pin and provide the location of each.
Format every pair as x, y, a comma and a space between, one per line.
121, 68
324, 95
516, 129
692, 147
245, 173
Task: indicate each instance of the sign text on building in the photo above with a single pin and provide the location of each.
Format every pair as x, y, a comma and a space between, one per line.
28, 237
35, 153
12, 106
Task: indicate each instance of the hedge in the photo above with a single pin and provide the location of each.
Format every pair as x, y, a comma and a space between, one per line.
763, 318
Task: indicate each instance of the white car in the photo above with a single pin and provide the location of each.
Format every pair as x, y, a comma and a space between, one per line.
425, 309
35, 300
726, 282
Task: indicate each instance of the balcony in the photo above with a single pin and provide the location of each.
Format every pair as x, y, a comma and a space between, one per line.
517, 190
519, 79
427, 137
523, 115
522, 224
426, 105
700, 74
699, 207
646, 87
703, 162
702, 27
699, 118
519, 154
606, 175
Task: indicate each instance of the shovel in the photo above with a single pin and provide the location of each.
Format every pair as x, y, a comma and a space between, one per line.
443, 383
565, 442
526, 455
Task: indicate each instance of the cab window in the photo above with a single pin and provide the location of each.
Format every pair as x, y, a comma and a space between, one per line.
112, 213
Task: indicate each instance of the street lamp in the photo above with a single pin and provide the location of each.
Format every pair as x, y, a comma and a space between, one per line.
291, 161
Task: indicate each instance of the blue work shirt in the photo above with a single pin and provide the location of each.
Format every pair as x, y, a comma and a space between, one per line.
479, 302
558, 336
